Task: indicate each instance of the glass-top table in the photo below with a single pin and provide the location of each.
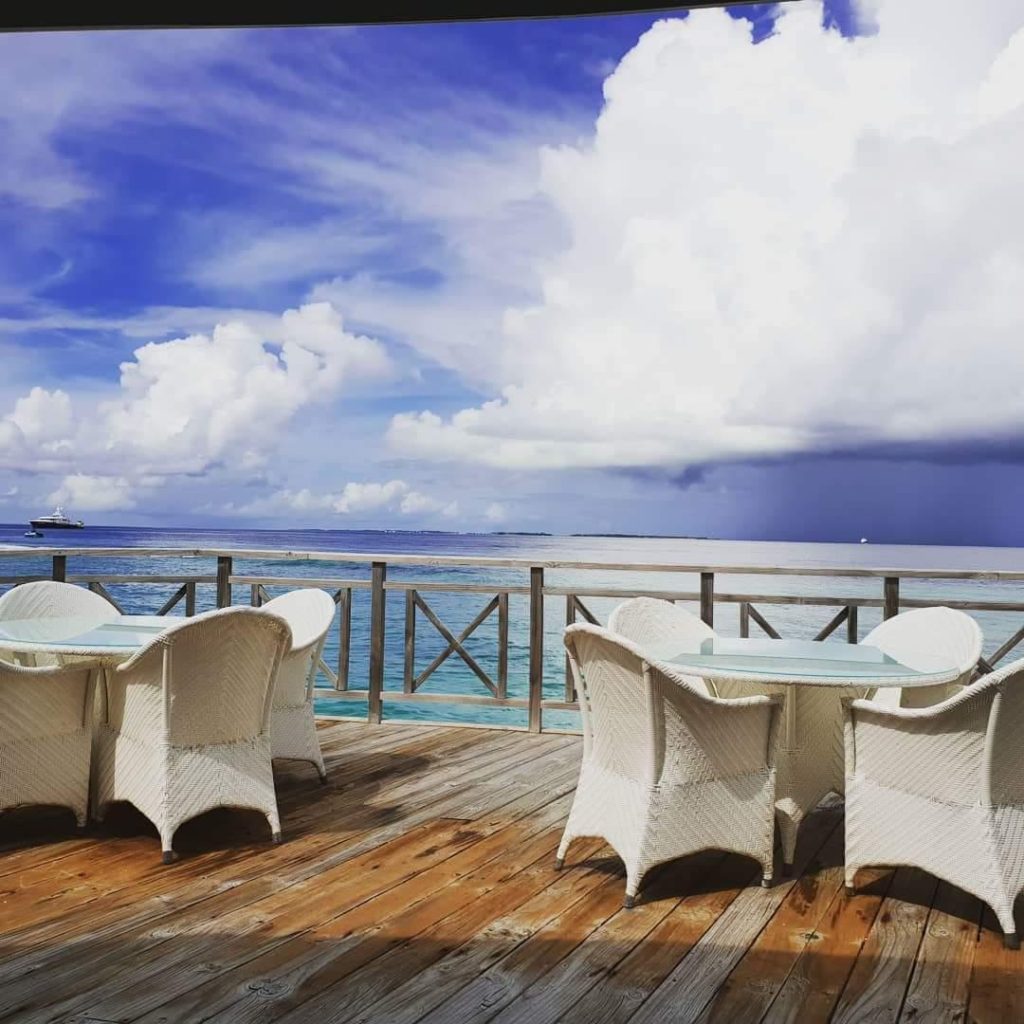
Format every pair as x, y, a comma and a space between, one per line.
796, 662
813, 677
82, 636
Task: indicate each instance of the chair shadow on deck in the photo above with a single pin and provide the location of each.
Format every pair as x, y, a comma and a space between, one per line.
465, 953
231, 828
395, 898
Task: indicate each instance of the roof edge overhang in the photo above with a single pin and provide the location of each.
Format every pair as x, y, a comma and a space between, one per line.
380, 12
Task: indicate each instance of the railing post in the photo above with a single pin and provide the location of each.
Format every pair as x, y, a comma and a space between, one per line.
344, 635
60, 568
744, 619
503, 644
223, 581
410, 640
536, 646
190, 598
851, 624
378, 610
707, 597
892, 597
570, 618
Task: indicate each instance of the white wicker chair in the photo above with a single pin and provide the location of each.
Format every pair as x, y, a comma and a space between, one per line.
941, 788
667, 770
187, 723
49, 599
309, 614
927, 639
45, 737
648, 620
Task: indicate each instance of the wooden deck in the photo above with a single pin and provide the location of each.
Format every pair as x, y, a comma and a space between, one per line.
418, 886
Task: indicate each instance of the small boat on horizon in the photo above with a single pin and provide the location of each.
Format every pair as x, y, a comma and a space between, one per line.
58, 519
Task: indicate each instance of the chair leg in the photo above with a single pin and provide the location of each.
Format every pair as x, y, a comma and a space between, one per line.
789, 827
563, 849
1011, 940
274, 821
633, 880
166, 843
317, 761
850, 874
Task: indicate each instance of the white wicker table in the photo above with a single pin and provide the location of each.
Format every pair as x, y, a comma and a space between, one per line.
814, 676
80, 637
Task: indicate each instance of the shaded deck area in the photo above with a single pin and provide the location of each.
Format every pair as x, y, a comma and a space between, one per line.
418, 885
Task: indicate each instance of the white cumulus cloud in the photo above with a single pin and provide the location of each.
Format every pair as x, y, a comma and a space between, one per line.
220, 403
89, 493
366, 497
43, 416
188, 402
356, 498
809, 243
37, 434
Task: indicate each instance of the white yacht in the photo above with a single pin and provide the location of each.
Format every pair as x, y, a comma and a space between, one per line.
58, 519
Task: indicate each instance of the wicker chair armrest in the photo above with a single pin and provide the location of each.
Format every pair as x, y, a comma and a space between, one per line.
44, 701
739, 735
756, 701
679, 678
774, 703
930, 712
146, 661
135, 696
936, 751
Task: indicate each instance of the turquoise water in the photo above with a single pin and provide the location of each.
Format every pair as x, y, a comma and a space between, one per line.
457, 610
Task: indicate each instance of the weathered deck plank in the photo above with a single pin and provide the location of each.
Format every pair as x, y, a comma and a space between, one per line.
235, 912
710, 884
418, 887
346, 820
783, 964
939, 988
878, 983
684, 994
996, 993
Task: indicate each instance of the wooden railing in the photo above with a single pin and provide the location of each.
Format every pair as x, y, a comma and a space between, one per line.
220, 589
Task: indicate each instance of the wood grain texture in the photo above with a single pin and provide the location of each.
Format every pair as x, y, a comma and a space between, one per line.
878, 983
418, 887
996, 991
939, 988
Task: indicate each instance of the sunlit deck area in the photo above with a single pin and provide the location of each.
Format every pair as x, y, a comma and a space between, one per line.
418, 885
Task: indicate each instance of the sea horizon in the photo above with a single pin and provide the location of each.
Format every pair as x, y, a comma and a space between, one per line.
12, 533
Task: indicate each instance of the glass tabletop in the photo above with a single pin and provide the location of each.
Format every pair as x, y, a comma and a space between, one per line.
126, 632
790, 660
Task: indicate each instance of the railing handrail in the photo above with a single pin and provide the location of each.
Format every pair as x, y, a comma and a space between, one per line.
487, 562
418, 600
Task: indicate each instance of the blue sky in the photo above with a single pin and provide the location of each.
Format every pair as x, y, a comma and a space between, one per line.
633, 274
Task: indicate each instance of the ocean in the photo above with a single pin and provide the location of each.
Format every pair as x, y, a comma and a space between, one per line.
457, 610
